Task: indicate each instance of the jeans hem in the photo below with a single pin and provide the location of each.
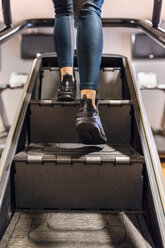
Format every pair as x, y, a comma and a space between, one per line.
65, 65
88, 86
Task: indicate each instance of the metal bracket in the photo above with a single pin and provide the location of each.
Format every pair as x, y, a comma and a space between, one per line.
123, 160
34, 159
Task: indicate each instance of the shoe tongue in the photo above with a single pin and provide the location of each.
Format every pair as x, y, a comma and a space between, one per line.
67, 77
86, 102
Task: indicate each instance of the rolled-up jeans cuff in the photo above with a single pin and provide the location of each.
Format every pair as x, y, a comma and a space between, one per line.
65, 65
90, 86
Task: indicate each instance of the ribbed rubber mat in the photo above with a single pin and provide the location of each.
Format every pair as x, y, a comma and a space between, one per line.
63, 229
76, 221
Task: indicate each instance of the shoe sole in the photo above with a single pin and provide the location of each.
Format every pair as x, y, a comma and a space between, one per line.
66, 97
90, 134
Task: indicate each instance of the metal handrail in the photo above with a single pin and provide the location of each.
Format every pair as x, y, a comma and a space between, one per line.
156, 16
157, 10
157, 34
150, 153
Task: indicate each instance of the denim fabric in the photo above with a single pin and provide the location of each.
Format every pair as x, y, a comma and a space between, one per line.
89, 37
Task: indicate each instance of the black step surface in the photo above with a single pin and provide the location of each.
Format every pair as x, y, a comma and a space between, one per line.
52, 122
77, 230
78, 176
109, 86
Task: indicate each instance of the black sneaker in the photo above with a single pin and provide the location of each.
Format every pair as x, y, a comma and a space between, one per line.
88, 123
67, 89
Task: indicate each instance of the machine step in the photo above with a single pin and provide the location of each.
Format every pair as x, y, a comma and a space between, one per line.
78, 176
52, 122
109, 87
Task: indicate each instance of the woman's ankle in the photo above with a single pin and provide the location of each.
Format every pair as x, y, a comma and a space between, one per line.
91, 94
67, 70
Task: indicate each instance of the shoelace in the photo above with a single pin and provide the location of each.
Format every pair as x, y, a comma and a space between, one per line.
85, 107
67, 85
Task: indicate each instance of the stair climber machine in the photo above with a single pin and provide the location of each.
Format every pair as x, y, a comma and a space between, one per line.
56, 191
62, 193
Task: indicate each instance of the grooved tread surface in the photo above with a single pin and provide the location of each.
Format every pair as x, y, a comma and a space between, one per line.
78, 152
77, 230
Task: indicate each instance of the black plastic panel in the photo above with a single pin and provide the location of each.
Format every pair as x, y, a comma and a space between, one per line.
109, 86
55, 122
76, 176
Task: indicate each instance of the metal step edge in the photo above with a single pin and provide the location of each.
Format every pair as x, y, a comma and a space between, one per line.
51, 68
58, 160
86, 160
48, 102
101, 158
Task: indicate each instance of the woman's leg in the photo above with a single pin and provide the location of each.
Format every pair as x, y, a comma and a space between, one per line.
64, 43
89, 46
63, 30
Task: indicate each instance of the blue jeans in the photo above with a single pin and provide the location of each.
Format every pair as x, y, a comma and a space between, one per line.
89, 38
